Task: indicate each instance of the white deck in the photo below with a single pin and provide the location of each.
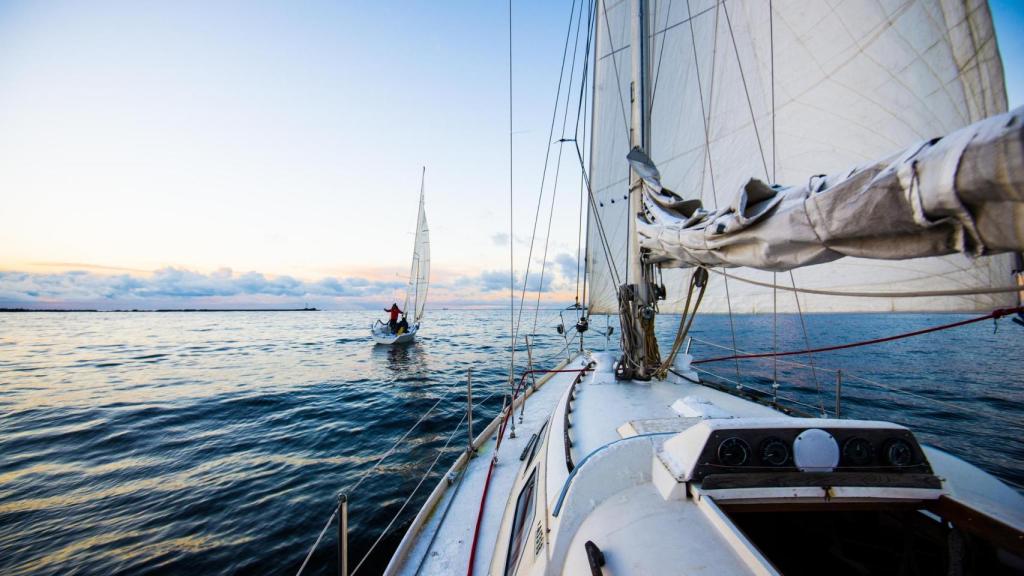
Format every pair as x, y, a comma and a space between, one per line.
677, 529
613, 497
442, 545
603, 404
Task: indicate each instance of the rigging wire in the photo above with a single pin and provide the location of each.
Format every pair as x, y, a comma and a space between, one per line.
511, 222
414, 490
807, 343
850, 375
580, 111
775, 307
661, 53
709, 162
994, 315
558, 162
743, 79
547, 154
611, 54
853, 294
600, 226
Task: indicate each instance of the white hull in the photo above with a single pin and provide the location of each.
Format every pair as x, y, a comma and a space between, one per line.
610, 478
381, 335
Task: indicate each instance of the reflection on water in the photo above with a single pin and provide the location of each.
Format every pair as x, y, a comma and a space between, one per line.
216, 443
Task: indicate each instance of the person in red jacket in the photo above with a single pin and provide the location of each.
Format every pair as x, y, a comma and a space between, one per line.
394, 311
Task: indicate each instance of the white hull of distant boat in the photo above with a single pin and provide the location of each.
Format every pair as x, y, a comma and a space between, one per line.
383, 335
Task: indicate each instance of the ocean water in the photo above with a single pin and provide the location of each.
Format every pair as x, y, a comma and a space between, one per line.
216, 443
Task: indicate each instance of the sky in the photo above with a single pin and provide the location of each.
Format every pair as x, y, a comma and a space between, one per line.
229, 154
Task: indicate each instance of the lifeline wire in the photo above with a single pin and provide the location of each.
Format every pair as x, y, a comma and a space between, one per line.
994, 315
364, 476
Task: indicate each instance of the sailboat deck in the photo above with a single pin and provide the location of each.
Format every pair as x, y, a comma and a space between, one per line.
441, 543
637, 521
603, 404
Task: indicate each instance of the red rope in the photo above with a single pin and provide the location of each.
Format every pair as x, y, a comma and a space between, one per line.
995, 314
501, 434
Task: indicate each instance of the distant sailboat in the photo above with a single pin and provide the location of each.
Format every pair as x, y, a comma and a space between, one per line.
416, 291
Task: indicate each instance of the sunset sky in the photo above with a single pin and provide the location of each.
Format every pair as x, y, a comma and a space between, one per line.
186, 154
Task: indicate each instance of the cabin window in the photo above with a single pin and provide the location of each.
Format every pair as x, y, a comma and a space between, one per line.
521, 524
536, 445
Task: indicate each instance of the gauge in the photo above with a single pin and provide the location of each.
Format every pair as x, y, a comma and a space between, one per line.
774, 452
733, 452
898, 452
857, 452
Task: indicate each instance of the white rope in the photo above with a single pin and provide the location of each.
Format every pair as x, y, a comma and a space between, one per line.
910, 294
364, 476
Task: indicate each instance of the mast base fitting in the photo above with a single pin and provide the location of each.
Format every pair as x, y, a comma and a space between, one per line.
624, 372
583, 325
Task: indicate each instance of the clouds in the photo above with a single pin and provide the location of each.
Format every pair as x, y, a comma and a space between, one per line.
179, 285
173, 287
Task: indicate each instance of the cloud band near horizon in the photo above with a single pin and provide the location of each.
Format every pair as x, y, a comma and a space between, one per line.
182, 288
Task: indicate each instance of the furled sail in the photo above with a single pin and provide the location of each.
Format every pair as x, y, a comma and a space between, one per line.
960, 194
419, 271
782, 92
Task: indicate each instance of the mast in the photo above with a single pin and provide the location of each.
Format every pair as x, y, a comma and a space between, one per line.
637, 297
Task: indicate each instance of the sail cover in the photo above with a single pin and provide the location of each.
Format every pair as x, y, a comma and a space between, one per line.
784, 91
419, 271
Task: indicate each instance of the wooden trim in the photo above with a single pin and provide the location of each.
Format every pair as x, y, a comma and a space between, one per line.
820, 479
979, 524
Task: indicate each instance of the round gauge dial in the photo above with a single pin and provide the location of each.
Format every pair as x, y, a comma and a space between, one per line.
857, 452
899, 453
774, 452
733, 452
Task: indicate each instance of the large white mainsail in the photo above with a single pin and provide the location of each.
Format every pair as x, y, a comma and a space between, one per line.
419, 270
783, 91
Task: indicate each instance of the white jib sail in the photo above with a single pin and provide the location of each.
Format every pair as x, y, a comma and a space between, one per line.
419, 271
783, 91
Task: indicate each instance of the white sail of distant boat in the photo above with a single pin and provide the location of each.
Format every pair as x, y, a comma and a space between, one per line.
419, 283
419, 270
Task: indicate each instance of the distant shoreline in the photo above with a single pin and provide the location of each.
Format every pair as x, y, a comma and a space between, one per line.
163, 310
